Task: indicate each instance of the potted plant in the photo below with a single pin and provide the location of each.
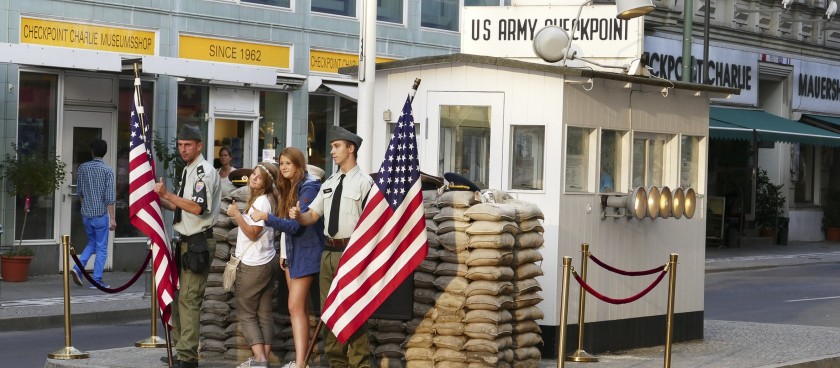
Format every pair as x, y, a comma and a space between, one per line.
29, 174
831, 216
769, 204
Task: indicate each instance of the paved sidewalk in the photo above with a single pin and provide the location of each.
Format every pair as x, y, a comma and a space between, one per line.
726, 343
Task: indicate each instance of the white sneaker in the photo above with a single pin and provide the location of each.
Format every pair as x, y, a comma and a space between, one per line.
291, 364
253, 363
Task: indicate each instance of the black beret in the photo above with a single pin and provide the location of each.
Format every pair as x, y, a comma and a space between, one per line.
239, 177
189, 133
458, 182
337, 132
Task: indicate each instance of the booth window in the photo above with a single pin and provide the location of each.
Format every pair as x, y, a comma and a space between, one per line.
279, 3
689, 161
611, 161
526, 166
326, 111
802, 161
338, 7
577, 159
465, 142
272, 135
649, 159
126, 97
390, 11
37, 124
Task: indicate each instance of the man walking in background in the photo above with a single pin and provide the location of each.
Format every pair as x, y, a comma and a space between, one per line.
95, 187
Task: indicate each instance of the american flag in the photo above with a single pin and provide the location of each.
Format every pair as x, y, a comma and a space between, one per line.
144, 207
389, 241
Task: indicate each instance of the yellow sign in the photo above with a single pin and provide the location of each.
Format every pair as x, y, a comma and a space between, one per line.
237, 52
330, 62
86, 36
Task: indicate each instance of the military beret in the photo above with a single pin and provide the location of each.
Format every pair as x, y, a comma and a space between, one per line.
239, 177
458, 182
315, 171
337, 132
189, 133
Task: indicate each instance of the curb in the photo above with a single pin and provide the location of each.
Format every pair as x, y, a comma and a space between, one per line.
827, 361
78, 319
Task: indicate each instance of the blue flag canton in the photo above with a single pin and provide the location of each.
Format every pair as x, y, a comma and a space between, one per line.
139, 132
401, 167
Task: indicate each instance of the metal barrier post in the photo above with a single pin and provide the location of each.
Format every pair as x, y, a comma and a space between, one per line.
581, 355
564, 310
672, 286
154, 341
68, 351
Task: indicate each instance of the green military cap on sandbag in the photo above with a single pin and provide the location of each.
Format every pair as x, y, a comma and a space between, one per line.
337, 132
189, 133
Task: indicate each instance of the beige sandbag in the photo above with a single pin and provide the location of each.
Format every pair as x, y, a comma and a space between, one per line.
489, 287
488, 346
451, 213
521, 327
388, 350
450, 301
448, 328
489, 302
492, 241
491, 212
500, 273
424, 279
443, 315
492, 227
526, 353
428, 266
526, 286
501, 359
453, 269
487, 331
526, 300
528, 313
452, 284
430, 196
487, 316
431, 226
420, 309
447, 255
452, 225
457, 199
527, 339
523, 256
489, 257
528, 271
432, 239
449, 342
430, 210
531, 225
531, 239
455, 241
525, 210
448, 355
419, 353
426, 296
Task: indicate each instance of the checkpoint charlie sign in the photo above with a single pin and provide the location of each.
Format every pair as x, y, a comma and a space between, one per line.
508, 31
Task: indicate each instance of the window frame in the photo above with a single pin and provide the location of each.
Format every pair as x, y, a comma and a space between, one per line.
540, 165
587, 164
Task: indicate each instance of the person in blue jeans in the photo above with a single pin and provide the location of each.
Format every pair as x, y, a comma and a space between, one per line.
95, 187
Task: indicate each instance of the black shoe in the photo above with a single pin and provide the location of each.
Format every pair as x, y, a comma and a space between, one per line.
183, 364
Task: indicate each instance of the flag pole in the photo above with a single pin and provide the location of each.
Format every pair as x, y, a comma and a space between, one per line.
320, 324
141, 115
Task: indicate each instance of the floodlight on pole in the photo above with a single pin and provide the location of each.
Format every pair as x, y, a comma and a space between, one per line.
629, 9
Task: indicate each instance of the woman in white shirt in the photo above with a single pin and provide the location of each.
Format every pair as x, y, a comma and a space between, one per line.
259, 265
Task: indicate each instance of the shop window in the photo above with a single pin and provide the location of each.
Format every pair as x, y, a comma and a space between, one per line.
577, 159
272, 135
526, 166
37, 124
439, 14
802, 172
465, 142
390, 11
326, 111
610, 164
124, 227
689, 161
649, 159
337, 7
280, 3
193, 109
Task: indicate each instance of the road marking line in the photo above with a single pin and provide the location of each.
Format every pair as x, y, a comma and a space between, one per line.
79, 299
809, 299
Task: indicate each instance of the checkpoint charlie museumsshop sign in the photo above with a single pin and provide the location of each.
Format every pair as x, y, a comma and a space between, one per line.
508, 31
87, 36
727, 67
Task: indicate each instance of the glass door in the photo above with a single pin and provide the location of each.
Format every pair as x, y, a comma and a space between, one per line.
81, 127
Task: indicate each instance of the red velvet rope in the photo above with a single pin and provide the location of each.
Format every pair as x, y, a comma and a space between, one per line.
607, 299
626, 273
117, 289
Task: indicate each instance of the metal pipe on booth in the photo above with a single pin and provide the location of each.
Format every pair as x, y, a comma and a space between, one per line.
153, 341
672, 290
581, 355
564, 310
68, 351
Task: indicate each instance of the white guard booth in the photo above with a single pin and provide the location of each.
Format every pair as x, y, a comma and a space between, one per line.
568, 139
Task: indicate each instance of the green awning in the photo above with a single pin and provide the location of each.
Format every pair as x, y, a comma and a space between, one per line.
827, 119
731, 123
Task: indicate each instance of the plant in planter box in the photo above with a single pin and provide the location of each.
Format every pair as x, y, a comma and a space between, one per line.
831, 215
769, 202
30, 174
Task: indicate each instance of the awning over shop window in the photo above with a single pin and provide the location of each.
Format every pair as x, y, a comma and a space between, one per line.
730, 123
835, 121
343, 90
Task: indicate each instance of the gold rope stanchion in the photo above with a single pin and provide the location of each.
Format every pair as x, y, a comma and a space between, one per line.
672, 290
68, 351
564, 310
581, 355
154, 341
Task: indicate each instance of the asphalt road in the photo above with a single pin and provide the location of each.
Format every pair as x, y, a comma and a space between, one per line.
797, 295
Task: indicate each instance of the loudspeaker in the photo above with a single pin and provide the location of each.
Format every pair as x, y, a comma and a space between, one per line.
678, 203
690, 202
665, 203
653, 202
635, 203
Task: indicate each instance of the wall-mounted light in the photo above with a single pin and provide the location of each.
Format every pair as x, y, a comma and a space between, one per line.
386, 115
629, 9
633, 205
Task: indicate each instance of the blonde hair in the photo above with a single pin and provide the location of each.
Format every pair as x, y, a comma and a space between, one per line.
288, 187
267, 171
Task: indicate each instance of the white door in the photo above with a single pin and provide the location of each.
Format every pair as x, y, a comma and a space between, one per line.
81, 127
464, 126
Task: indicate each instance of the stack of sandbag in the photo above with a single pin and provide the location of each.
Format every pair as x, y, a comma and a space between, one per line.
526, 264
